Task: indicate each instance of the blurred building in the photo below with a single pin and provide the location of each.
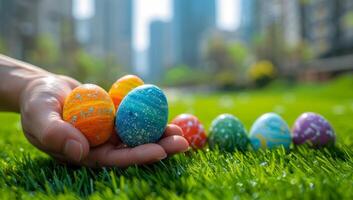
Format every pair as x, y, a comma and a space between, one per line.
346, 24
328, 26
249, 23
22, 21
160, 51
83, 32
270, 14
192, 19
259, 17
291, 22
111, 28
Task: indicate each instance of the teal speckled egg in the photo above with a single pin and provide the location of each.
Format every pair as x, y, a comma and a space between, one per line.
270, 131
228, 133
142, 116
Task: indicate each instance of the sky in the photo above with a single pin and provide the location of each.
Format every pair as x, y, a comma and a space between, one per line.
146, 11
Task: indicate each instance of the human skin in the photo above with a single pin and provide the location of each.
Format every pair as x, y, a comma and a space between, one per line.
39, 95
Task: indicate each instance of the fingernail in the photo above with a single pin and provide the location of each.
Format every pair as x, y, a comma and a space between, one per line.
73, 150
187, 149
163, 157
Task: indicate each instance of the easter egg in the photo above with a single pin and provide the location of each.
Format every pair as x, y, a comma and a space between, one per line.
142, 116
90, 109
313, 129
228, 133
193, 130
122, 87
270, 131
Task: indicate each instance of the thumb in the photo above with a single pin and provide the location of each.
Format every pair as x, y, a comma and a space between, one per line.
61, 137
41, 119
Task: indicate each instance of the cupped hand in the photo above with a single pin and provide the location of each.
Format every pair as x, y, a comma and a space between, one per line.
41, 107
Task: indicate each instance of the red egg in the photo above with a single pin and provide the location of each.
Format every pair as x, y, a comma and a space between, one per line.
194, 131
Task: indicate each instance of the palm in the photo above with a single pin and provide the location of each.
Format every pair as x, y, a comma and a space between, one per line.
44, 127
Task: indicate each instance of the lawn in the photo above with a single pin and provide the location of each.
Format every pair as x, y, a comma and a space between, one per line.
301, 173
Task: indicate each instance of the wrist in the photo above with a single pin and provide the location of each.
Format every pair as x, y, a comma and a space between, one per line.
15, 77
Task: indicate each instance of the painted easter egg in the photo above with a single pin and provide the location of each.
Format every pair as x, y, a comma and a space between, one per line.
270, 131
313, 129
142, 116
193, 130
122, 87
228, 133
90, 109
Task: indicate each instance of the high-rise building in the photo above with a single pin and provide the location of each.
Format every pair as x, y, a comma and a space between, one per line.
8, 30
192, 19
258, 17
346, 26
159, 53
23, 21
327, 26
249, 23
111, 29
291, 22
269, 14
319, 25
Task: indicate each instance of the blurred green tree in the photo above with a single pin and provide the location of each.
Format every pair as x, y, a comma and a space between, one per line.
348, 19
227, 61
240, 56
262, 72
69, 46
85, 66
89, 69
183, 75
45, 52
270, 45
3, 47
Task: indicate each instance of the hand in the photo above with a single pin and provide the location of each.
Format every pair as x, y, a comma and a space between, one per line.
41, 106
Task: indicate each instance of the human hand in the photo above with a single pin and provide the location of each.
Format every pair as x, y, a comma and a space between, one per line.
41, 106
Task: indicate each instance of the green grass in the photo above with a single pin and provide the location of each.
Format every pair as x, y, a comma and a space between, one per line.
301, 173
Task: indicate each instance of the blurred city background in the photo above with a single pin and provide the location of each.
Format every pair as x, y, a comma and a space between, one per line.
223, 44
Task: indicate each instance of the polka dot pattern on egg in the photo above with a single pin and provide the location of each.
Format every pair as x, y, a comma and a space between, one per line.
228, 133
313, 129
193, 130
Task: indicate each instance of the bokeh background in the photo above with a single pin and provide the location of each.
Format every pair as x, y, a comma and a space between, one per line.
243, 57
209, 44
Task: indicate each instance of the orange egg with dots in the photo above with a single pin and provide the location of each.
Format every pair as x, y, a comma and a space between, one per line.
90, 109
122, 87
193, 130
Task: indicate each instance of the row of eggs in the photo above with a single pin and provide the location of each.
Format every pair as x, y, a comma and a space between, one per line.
268, 131
136, 112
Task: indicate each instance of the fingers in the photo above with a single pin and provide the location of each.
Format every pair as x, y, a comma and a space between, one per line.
56, 136
173, 141
61, 137
108, 155
115, 153
115, 140
172, 130
41, 120
174, 144
70, 81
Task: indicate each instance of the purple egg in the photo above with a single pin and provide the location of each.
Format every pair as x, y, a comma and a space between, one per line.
313, 129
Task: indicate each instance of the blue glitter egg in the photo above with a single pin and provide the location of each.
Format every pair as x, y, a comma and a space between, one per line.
142, 116
270, 131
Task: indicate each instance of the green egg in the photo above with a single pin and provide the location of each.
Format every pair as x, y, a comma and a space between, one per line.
228, 134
